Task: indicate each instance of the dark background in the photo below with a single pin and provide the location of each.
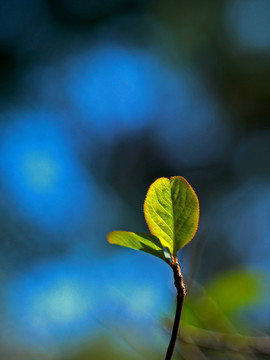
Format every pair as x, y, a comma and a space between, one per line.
97, 100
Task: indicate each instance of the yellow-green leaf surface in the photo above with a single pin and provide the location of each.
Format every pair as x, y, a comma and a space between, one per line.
171, 210
138, 241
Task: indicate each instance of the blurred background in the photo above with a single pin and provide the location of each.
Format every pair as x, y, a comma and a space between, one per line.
97, 100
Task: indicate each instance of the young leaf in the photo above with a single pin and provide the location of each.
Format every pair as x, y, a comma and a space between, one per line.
171, 210
138, 241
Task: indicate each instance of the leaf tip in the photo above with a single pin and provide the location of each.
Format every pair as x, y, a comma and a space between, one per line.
110, 237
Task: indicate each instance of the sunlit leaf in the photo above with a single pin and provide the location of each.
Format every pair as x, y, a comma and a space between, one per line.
171, 211
138, 241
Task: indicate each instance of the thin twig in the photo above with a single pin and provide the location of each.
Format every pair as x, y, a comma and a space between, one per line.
181, 293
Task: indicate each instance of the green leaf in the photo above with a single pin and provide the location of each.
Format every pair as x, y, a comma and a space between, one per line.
138, 241
171, 210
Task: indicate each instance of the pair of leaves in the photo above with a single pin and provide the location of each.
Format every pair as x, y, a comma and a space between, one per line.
171, 211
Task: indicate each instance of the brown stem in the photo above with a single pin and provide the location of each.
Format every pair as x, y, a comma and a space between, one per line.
181, 293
